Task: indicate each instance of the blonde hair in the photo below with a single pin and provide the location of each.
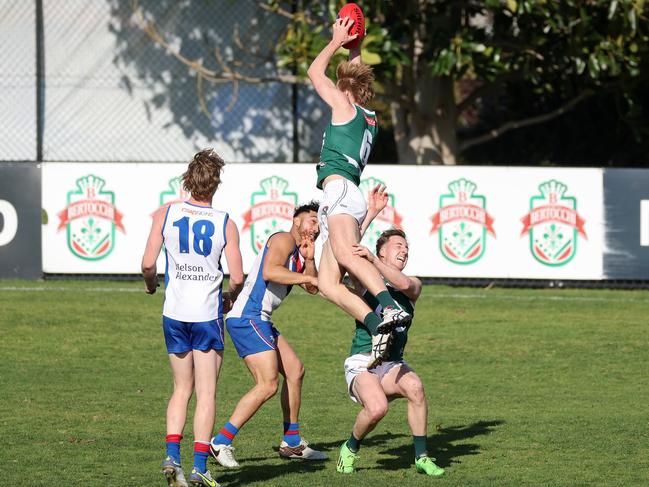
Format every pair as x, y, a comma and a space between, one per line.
203, 175
357, 79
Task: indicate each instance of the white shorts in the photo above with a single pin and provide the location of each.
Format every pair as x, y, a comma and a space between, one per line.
340, 197
357, 364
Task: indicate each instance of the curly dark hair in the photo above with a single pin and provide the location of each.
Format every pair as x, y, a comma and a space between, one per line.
312, 205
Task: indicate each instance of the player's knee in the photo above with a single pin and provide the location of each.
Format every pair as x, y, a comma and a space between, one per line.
325, 290
268, 388
416, 393
296, 372
345, 258
377, 411
183, 390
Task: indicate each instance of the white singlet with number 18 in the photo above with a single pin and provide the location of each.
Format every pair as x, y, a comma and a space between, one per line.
194, 237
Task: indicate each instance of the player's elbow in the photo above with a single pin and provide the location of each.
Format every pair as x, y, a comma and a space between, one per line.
402, 284
267, 274
314, 73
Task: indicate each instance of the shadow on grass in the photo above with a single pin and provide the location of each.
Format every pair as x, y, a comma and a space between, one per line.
372, 440
249, 474
441, 445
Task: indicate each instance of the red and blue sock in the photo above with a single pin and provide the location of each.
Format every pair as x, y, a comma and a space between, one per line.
292, 433
226, 434
173, 446
201, 452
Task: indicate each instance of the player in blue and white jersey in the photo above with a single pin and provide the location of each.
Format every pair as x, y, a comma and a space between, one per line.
195, 236
286, 260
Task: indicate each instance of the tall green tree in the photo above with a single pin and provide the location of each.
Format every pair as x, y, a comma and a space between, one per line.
447, 70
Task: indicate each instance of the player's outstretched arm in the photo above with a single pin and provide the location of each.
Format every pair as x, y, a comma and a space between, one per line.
377, 200
233, 258
280, 247
152, 250
408, 285
317, 72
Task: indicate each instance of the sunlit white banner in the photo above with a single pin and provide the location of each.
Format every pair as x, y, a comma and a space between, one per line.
469, 222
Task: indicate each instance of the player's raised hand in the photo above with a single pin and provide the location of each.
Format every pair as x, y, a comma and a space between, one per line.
377, 199
341, 28
307, 246
362, 251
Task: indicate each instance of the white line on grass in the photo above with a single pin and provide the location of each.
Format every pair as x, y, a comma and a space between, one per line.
73, 289
500, 297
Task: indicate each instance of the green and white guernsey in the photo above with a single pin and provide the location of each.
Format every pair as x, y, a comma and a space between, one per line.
347, 146
362, 341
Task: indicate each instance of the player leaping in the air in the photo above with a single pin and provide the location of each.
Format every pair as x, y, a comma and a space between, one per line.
345, 150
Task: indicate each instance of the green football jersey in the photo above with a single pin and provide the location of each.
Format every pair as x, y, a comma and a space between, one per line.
362, 341
347, 146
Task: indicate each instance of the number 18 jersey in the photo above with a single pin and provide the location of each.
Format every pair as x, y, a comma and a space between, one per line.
347, 146
194, 238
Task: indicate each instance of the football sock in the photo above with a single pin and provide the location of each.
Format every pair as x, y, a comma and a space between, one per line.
201, 452
173, 446
372, 321
226, 434
385, 299
292, 434
353, 443
420, 446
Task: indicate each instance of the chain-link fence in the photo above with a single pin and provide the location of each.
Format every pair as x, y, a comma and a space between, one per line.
154, 80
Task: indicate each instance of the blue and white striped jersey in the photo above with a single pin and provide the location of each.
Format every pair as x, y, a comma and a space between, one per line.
259, 298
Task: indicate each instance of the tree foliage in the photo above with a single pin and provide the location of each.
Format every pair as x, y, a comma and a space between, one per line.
459, 73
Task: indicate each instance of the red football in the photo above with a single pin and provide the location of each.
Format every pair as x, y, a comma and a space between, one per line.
355, 13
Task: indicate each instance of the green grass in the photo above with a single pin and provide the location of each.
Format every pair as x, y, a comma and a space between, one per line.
525, 387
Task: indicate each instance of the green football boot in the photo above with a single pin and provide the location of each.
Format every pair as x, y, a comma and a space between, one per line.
346, 460
427, 465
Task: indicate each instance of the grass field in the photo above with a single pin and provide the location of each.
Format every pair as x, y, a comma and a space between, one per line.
525, 387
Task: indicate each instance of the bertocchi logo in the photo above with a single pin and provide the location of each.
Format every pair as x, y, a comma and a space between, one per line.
90, 218
387, 219
271, 211
462, 223
175, 193
553, 224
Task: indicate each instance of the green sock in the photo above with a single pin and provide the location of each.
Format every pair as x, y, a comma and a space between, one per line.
353, 444
420, 446
372, 321
385, 299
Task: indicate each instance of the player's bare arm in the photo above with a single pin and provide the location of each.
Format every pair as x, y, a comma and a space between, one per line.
235, 264
377, 200
342, 109
152, 250
409, 285
280, 247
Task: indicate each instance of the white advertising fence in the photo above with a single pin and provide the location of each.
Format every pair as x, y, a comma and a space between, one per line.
465, 222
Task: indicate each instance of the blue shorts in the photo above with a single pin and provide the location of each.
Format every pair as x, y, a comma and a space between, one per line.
252, 336
183, 336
